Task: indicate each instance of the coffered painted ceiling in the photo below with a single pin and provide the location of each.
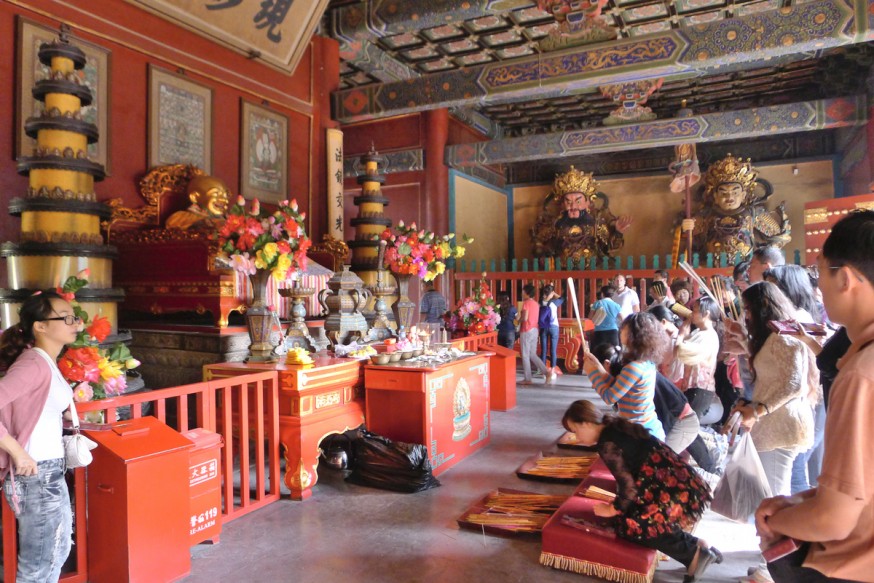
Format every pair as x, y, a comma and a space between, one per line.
720, 56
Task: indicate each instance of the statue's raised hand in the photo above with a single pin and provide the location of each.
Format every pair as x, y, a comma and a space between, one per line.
623, 222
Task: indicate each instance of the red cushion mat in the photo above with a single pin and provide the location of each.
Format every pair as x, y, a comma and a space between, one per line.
596, 552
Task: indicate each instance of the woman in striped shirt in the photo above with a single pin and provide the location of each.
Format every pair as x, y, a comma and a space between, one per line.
644, 343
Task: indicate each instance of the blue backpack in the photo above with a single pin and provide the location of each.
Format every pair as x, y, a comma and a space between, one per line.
544, 320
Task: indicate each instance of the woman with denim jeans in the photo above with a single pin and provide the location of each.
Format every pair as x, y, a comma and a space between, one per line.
33, 400
549, 301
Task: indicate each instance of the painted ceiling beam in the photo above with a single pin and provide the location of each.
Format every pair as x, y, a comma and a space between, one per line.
710, 127
359, 27
752, 41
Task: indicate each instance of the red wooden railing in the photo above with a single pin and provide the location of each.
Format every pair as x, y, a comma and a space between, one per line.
475, 342
243, 409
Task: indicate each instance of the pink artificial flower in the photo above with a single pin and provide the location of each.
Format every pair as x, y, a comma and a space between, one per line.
83, 393
256, 208
243, 263
294, 204
115, 385
84, 274
240, 200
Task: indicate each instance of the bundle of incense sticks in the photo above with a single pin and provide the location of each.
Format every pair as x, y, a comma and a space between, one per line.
596, 493
519, 503
572, 292
697, 279
514, 522
562, 467
719, 291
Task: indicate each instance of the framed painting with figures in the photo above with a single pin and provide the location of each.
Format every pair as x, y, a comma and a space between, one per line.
263, 154
95, 75
180, 121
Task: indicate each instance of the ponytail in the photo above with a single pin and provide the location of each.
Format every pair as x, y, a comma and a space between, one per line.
18, 337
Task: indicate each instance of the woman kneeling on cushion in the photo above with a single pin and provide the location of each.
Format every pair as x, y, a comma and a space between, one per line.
657, 494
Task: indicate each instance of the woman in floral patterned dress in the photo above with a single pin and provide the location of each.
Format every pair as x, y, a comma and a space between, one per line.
658, 496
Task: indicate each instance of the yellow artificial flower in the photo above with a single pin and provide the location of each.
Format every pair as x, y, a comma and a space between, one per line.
270, 251
109, 369
459, 251
440, 267
283, 264
260, 263
430, 275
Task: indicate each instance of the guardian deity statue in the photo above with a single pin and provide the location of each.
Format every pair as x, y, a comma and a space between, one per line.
734, 217
584, 227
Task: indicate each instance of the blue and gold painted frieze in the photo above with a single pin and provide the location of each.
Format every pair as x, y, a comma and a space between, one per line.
712, 127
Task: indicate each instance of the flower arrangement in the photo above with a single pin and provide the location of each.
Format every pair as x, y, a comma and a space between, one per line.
419, 252
255, 239
475, 314
93, 372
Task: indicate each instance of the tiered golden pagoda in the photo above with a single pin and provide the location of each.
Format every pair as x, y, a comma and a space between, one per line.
366, 254
371, 220
60, 215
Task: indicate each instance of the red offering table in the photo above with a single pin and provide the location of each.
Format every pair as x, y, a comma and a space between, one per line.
314, 401
444, 406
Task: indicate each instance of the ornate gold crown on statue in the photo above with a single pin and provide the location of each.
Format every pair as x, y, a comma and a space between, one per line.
730, 170
575, 181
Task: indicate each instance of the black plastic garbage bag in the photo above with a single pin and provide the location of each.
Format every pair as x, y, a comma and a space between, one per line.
391, 465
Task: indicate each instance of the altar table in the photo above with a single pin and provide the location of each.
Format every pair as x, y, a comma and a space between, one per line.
443, 406
314, 401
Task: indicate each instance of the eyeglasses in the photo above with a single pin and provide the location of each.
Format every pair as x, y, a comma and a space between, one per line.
68, 320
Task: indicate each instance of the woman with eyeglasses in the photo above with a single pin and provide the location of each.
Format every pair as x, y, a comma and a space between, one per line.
34, 397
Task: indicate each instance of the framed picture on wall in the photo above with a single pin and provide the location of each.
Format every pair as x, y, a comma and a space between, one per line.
180, 121
95, 75
263, 154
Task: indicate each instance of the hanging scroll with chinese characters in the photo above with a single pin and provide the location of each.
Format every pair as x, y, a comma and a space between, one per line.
334, 142
275, 31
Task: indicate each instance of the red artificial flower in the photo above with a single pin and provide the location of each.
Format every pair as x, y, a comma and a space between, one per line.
69, 296
283, 246
99, 328
80, 364
246, 241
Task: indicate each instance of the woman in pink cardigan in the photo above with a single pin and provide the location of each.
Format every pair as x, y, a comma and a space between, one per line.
33, 399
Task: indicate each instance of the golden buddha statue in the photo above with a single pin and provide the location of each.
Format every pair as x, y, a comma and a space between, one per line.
209, 198
734, 218
585, 226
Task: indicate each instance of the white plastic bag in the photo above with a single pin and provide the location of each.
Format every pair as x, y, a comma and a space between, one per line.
744, 484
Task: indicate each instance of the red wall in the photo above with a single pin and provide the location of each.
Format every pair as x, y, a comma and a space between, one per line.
137, 39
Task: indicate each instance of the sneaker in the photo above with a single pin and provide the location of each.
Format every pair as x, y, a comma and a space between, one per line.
552, 376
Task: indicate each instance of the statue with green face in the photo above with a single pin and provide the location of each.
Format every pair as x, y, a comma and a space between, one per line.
733, 218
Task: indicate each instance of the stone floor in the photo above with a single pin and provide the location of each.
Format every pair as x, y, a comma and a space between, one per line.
351, 533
